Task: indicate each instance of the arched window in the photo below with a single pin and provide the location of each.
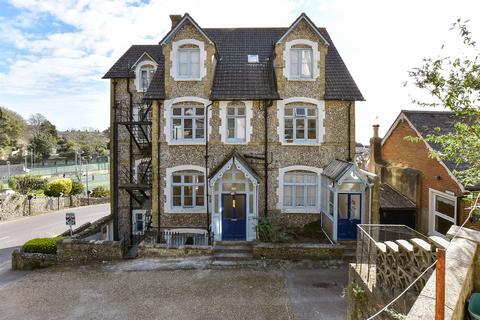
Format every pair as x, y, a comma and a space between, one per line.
300, 123
236, 123
145, 77
300, 190
301, 62
188, 122
188, 61
188, 189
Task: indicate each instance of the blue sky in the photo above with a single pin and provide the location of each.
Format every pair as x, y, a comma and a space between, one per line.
53, 53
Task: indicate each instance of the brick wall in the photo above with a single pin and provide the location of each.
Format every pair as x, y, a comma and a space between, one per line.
396, 151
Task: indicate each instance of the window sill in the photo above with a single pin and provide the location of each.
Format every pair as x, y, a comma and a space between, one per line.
194, 210
187, 79
235, 141
186, 143
301, 143
300, 210
302, 79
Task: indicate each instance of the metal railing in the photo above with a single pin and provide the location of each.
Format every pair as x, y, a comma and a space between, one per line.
184, 236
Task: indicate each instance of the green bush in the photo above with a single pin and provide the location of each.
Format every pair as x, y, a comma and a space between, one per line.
268, 232
27, 184
100, 192
77, 188
42, 245
56, 187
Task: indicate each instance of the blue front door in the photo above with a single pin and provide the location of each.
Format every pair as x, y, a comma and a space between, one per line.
233, 217
349, 215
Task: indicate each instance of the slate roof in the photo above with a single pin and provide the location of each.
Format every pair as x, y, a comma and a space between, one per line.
391, 199
237, 79
426, 122
336, 169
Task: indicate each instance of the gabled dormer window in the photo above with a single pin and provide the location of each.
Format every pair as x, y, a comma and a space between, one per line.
301, 63
146, 75
189, 62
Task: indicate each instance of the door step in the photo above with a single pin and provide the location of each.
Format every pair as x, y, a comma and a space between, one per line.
232, 251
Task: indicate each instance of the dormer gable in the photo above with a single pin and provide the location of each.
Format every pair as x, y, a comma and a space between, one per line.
186, 19
144, 69
303, 18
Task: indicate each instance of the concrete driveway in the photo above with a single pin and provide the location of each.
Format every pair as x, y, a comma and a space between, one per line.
122, 291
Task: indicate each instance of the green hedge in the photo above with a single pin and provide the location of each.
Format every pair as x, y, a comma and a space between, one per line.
42, 245
100, 192
57, 187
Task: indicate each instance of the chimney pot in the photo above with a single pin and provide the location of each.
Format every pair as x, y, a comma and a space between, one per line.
175, 18
375, 130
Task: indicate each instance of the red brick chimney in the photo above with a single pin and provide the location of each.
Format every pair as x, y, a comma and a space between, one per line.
175, 18
375, 150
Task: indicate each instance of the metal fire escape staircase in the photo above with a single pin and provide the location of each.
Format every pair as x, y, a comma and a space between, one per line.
137, 179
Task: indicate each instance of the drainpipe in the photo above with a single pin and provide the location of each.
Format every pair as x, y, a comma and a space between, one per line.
266, 104
114, 159
130, 106
206, 172
159, 166
349, 132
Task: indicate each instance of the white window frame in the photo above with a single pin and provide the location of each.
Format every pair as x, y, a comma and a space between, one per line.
236, 130
138, 73
183, 117
195, 185
223, 105
135, 213
305, 117
191, 72
320, 106
432, 213
168, 191
294, 185
174, 58
315, 59
167, 115
280, 190
298, 74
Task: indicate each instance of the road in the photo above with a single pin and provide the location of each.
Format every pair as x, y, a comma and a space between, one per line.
14, 233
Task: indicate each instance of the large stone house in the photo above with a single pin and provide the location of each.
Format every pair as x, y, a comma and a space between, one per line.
215, 128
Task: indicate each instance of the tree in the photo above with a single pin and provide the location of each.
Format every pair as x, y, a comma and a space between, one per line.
58, 187
44, 135
27, 184
77, 188
12, 128
454, 83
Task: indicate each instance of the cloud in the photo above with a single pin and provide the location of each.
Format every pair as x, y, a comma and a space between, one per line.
55, 52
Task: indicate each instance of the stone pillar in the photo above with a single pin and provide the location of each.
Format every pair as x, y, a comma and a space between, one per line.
155, 162
375, 151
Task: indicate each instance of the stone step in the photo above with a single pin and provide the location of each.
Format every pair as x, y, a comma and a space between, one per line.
232, 249
235, 256
232, 243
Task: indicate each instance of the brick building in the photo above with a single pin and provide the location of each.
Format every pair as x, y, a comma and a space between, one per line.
216, 128
416, 189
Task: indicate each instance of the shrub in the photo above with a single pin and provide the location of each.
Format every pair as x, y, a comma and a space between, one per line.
56, 187
268, 232
77, 188
27, 184
100, 192
42, 245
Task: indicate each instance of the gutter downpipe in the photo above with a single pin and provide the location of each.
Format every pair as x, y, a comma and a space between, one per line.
209, 229
266, 104
349, 132
370, 190
130, 105
114, 158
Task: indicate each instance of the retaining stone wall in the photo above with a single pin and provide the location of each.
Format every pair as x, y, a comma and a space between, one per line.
29, 261
17, 205
298, 251
73, 251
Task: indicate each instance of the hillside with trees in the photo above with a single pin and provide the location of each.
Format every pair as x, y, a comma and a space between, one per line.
39, 137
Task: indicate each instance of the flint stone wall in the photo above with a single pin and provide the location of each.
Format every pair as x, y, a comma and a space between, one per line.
73, 251
16, 205
29, 261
